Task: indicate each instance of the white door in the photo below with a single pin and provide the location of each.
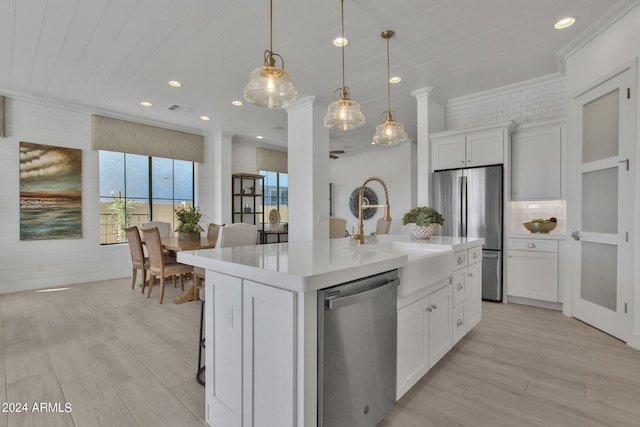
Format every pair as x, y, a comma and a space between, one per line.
602, 205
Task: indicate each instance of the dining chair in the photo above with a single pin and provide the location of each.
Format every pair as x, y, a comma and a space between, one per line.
383, 226
237, 234
337, 227
138, 260
157, 265
164, 228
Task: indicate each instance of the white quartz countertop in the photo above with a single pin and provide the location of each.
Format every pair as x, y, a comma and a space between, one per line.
312, 265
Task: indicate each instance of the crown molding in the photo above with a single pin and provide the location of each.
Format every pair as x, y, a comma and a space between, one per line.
600, 25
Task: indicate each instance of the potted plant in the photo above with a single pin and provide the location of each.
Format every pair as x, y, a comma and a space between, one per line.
188, 223
423, 221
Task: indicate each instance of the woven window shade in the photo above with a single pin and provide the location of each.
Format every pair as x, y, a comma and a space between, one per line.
1, 116
128, 137
272, 160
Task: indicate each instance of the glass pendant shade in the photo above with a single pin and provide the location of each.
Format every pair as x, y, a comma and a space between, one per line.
344, 114
270, 87
389, 132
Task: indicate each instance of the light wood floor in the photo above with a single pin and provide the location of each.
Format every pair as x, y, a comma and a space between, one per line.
121, 359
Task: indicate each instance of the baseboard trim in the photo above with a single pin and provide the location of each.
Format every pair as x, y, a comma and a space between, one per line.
536, 303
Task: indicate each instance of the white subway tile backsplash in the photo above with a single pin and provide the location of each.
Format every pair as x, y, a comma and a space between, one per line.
543, 99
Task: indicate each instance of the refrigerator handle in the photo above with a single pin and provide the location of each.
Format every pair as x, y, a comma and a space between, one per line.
463, 207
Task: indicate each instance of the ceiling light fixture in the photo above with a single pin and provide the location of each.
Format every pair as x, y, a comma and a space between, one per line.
565, 23
389, 132
205, 118
270, 86
343, 114
174, 83
236, 103
146, 103
259, 137
395, 79
340, 41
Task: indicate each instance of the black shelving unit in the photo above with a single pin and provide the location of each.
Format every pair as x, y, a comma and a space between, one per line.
247, 194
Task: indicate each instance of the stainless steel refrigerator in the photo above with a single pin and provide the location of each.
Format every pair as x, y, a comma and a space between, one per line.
471, 202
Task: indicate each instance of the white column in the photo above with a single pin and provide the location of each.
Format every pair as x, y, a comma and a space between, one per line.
430, 119
213, 186
308, 165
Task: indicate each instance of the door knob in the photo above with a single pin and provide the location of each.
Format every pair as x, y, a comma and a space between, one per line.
576, 235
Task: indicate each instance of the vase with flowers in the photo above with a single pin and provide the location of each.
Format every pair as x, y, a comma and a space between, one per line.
423, 221
188, 223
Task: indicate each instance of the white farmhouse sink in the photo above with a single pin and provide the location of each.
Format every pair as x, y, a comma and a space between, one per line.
425, 267
427, 263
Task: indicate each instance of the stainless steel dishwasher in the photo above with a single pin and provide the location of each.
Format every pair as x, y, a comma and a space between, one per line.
357, 330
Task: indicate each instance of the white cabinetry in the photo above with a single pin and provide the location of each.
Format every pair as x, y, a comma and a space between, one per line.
424, 335
250, 353
532, 269
469, 147
536, 161
467, 291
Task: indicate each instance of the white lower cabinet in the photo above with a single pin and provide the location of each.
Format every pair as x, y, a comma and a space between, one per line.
424, 336
474, 293
250, 355
532, 269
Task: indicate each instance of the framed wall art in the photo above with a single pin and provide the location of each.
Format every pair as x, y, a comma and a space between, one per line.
50, 192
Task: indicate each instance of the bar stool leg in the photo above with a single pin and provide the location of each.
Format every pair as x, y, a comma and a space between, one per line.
200, 373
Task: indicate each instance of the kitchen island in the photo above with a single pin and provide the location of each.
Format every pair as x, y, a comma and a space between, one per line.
261, 317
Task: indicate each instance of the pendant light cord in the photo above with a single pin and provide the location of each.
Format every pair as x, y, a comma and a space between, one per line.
271, 26
343, 43
388, 84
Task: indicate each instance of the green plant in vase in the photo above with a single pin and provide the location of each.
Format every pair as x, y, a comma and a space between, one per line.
423, 221
189, 227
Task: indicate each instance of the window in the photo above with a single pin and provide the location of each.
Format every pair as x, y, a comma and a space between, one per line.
135, 189
276, 191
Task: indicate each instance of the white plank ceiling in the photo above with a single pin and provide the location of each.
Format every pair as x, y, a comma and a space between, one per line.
111, 54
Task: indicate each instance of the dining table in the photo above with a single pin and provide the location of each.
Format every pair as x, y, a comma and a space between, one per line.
173, 243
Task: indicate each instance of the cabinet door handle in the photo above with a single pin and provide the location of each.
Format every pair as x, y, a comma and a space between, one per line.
531, 245
475, 255
434, 306
460, 286
459, 322
460, 260
429, 309
470, 274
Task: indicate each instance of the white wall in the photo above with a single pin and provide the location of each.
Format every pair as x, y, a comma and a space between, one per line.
610, 50
393, 165
47, 263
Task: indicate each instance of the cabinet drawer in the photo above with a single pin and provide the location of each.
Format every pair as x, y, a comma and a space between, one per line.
535, 245
459, 319
460, 258
459, 286
475, 255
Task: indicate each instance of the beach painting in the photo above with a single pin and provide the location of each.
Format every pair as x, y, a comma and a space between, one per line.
50, 192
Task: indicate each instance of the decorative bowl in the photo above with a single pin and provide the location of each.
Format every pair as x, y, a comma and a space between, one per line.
539, 227
422, 232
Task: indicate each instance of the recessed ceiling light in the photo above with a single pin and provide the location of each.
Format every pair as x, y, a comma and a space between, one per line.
146, 103
339, 42
237, 103
395, 79
205, 118
174, 83
565, 23
259, 137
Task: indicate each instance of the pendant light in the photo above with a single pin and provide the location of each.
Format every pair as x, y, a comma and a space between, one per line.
343, 114
270, 86
389, 132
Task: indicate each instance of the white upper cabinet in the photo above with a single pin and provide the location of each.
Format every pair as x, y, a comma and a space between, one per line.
470, 147
536, 161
